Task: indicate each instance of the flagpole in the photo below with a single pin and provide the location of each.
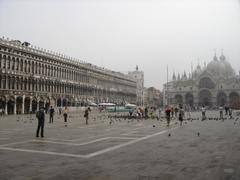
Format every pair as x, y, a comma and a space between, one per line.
167, 85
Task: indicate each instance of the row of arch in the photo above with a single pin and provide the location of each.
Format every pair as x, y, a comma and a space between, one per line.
31, 84
60, 71
29, 66
28, 104
205, 98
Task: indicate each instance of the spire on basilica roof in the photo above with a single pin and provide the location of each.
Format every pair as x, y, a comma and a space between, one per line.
184, 74
222, 57
178, 78
136, 67
215, 56
174, 77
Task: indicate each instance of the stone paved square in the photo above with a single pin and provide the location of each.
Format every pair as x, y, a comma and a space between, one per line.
124, 149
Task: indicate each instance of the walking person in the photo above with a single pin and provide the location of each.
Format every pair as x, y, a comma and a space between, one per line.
146, 112
51, 114
60, 111
226, 110
65, 115
86, 114
181, 115
1, 111
41, 118
221, 112
230, 113
203, 113
168, 114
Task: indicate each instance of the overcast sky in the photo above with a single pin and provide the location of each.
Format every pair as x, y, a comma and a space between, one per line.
120, 34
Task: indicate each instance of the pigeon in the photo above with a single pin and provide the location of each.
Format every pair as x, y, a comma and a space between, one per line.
198, 133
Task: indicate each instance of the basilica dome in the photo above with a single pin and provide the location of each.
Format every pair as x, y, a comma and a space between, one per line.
220, 67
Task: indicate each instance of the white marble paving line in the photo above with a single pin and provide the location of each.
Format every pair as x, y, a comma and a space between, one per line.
4, 138
15, 143
43, 152
123, 137
72, 144
78, 139
126, 144
88, 155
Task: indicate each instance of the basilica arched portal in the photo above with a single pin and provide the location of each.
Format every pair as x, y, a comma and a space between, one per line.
221, 99
234, 100
178, 99
205, 98
189, 99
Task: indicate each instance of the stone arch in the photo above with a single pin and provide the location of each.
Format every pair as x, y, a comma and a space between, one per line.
27, 105
178, 99
10, 105
234, 100
19, 104
206, 82
205, 98
21, 65
13, 63
53, 102
189, 99
17, 64
47, 103
59, 102
65, 102
2, 102
221, 99
34, 105
4, 65
41, 102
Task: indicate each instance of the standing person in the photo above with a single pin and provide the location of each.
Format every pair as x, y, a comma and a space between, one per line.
146, 112
41, 118
226, 110
168, 114
65, 115
172, 111
230, 113
86, 114
203, 113
60, 111
1, 111
51, 113
176, 111
181, 115
221, 112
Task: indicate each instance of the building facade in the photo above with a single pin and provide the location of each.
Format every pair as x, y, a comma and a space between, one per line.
152, 97
138, 76
32, 77
216, 84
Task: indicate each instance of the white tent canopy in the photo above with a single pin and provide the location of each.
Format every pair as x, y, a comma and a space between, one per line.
130, 105
107, 104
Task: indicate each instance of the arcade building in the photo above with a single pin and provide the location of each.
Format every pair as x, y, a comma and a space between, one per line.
32, 77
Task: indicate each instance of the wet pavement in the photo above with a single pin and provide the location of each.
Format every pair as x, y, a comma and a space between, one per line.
121, 150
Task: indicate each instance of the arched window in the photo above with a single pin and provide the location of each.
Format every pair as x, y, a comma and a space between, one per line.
8, 62
206, 83
1, 61
17, 64
13, 63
